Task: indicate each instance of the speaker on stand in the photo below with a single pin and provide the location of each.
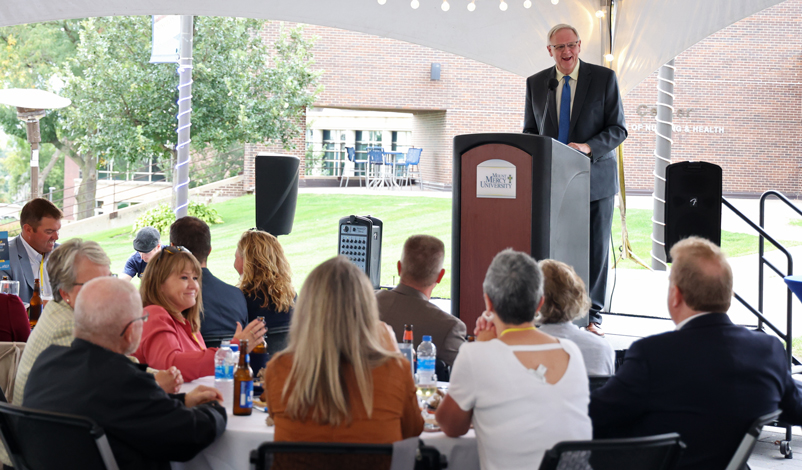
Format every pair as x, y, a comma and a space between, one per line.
276, 192
693, 202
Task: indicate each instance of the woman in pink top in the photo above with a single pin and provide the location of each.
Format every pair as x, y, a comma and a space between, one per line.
171, 293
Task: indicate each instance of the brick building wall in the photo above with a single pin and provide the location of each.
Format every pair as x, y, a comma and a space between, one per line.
739, 93
744, 85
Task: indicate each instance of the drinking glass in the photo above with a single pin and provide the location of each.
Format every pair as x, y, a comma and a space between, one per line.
9, 287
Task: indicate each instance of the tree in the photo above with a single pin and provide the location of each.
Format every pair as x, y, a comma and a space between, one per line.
124, 109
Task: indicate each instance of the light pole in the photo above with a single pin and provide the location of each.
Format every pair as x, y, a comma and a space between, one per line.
32, 105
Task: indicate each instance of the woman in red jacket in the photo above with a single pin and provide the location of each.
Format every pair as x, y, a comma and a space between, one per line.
171, 293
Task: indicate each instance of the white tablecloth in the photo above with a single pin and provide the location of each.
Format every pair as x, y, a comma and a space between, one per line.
232, 450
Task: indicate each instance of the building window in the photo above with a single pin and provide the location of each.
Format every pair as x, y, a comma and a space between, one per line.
148, 173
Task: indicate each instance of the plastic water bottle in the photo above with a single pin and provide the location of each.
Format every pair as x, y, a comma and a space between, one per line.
426, 377
224, 373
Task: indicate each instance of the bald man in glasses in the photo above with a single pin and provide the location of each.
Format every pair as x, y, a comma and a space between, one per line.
585, 113
146, 427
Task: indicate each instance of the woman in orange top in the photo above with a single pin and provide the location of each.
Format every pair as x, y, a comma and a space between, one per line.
171, 293
341, 378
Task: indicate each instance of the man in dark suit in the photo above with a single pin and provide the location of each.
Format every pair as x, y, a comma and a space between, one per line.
146, 427
590, 120
708, 380
421, 269
40, 222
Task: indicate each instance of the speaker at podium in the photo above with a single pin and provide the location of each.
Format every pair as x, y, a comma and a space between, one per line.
520, 191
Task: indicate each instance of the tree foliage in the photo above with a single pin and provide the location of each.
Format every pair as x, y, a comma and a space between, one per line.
124, 108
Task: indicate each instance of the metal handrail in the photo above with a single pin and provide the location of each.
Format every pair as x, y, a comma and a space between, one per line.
758, 312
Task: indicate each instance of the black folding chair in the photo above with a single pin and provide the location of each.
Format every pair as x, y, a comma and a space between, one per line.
215, 341
598, 381
43, 440
336, 456
661, 452
744, 450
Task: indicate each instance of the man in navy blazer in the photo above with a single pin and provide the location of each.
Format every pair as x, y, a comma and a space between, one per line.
596, 128
708, 380
40, 221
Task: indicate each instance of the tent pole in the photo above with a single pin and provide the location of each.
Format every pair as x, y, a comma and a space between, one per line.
662, 158
181, 172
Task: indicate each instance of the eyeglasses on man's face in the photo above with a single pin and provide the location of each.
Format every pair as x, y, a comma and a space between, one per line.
560, 47
143, 318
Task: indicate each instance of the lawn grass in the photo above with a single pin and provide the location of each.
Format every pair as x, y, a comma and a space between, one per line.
314, 236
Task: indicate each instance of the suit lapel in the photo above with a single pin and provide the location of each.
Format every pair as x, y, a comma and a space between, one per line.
25, 262
553, 105
582, 86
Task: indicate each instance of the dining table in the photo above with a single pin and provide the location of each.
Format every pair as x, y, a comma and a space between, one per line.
232, 450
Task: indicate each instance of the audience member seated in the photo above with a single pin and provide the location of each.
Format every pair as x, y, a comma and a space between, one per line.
420, 270
147, 244
71, 266
29, 252
523, 390
146, 427
266, 281
341, 378
708, 379
171, 293
565, 301
223, 304
14, 325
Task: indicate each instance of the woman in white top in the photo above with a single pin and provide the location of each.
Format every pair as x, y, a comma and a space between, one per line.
564, 301
523, 390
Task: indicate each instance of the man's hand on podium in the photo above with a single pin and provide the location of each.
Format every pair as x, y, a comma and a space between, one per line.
584, 148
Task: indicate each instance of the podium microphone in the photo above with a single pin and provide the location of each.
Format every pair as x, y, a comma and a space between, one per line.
552, 86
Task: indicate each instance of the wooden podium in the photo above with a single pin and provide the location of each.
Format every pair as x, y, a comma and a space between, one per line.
520, 191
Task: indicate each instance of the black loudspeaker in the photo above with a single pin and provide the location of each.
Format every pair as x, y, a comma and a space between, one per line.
276, 192
693, 202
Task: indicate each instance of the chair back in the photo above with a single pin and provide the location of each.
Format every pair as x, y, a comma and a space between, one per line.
10, 355
213, 341
350, 153
598, 381
40, 440
335, 456
376, 155
661, 452
747, 445
413, 156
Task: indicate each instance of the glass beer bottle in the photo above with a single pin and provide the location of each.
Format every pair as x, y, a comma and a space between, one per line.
35, 306
243, 383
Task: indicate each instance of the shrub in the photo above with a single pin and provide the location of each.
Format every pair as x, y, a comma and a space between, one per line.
162, 216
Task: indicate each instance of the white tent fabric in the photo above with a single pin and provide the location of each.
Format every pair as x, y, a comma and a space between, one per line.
648, 32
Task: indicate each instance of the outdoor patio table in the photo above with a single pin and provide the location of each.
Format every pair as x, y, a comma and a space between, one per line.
390, 158
232, 450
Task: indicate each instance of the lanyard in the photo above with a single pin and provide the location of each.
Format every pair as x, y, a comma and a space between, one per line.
508, 330
196, 340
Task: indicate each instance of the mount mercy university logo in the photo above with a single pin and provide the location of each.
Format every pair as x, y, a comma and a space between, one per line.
495, 179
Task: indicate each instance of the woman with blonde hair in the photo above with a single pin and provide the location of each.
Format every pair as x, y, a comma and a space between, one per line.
565, 300
171, 294
340, 378
266, 282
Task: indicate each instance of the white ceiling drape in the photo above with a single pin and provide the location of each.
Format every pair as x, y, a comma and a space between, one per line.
648, 34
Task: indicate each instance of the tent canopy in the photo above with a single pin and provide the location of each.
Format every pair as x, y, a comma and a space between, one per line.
648, 33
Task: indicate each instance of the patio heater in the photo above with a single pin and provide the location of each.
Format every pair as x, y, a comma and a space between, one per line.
32, 105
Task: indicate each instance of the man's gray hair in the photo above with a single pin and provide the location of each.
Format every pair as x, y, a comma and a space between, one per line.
514, 284
103, 308
558, 27
61, 263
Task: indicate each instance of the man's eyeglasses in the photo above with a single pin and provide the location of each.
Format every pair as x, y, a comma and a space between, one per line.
559, 47
144, 319
172, 249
